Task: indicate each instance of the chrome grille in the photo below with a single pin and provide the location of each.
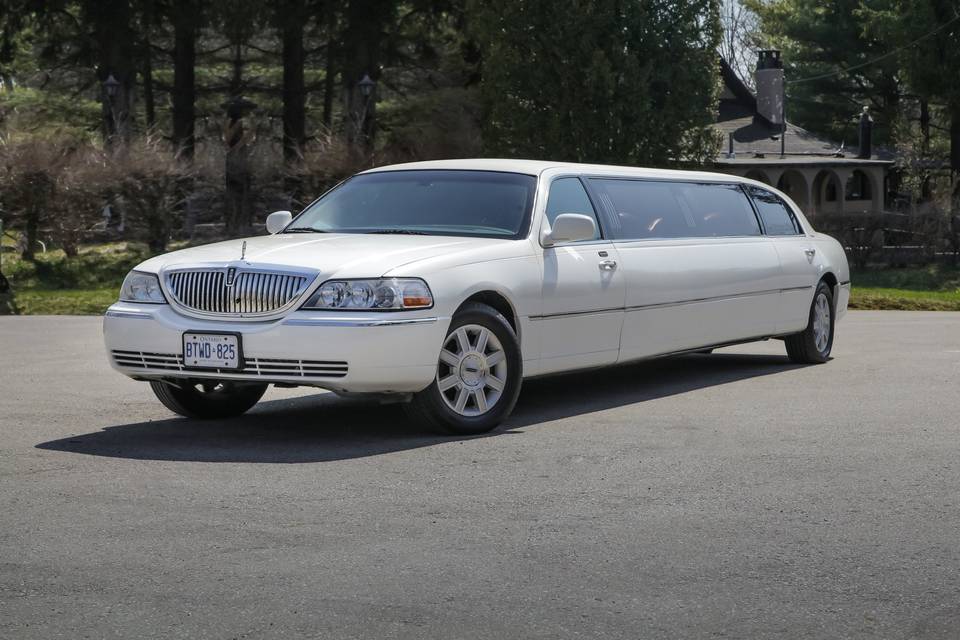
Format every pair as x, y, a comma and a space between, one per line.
252, 292
258, 367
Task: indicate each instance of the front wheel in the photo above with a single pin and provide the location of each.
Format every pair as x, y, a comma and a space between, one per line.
478, 375
208, 399
813, 344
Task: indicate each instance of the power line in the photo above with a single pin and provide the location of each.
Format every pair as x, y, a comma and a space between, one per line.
878, 58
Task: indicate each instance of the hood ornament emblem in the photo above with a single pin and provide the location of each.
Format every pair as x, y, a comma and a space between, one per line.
243, 250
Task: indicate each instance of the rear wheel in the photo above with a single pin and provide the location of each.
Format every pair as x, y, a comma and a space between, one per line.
813, 344
208, 399
478, 375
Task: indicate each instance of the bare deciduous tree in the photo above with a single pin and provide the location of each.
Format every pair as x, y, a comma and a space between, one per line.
741, 38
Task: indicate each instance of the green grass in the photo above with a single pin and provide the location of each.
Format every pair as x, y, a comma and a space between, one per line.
930, 278
904, 299
95, 267
55, 284
932, 288
62, 301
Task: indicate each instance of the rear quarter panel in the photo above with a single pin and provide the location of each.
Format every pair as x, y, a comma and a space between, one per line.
835, 261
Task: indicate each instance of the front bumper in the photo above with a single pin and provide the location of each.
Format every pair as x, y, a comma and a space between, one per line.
344, 352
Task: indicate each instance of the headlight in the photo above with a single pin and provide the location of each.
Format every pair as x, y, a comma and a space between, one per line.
141, 287
381, 294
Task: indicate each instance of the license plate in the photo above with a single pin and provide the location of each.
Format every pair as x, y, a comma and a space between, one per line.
211, 351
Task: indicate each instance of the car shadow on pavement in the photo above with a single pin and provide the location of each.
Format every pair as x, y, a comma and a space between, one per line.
325, 427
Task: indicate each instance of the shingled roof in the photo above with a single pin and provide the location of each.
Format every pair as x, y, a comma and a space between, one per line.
756, 140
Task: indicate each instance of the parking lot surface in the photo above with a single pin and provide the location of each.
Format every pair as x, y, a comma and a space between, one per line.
727, 495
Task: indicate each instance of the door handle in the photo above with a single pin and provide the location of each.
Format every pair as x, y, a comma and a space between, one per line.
608, 265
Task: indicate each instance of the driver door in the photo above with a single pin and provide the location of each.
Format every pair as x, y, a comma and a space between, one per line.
583, 290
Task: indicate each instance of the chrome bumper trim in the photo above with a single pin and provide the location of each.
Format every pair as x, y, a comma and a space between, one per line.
331, 322
137, 315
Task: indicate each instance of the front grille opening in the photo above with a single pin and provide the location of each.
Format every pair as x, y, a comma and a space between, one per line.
252, 367
249, 292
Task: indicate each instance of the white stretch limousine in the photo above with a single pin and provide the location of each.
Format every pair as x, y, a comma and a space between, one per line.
446, 283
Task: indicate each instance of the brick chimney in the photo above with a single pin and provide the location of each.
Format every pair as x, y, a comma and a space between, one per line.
769, 78
866, 135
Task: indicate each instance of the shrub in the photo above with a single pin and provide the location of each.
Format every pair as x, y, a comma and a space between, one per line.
85, 184
54, 189
893, 239
28, 175
325, 162
151, 188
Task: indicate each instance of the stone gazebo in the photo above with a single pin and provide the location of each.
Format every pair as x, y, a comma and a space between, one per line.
820, 176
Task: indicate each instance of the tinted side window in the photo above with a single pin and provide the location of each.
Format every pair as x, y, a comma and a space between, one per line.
776, 215
719, 210
645, 210
649, 209
567, 195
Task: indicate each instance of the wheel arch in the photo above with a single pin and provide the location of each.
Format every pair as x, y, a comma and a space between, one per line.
831, 279
499, 302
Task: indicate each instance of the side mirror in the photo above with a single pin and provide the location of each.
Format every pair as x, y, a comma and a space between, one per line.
570, 227
277, 220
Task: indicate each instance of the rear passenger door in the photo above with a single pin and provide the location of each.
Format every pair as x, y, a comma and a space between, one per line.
698, 270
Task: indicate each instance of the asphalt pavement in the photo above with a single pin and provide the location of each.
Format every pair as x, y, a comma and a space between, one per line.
731, 495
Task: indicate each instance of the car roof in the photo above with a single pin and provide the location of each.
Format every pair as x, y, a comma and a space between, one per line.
536, 167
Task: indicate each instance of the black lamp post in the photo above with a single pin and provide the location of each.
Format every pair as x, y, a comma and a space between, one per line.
366, 87
111, 87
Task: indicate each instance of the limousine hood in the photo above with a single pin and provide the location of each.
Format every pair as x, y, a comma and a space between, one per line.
336, 255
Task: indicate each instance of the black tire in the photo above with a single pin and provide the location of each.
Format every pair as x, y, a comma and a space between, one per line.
208, 399
431, 407
802, 347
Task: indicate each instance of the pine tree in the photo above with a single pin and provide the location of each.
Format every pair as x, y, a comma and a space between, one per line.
600, 80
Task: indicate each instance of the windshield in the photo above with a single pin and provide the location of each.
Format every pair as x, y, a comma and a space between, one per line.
485, 204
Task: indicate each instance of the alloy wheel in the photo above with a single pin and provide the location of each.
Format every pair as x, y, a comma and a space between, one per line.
473, 370
821, 322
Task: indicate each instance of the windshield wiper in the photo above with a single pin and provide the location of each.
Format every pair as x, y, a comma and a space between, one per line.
304, 230
406, 232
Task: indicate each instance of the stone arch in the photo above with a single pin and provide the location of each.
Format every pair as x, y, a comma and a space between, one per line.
859, 186
827, 192
758, 175
794, 184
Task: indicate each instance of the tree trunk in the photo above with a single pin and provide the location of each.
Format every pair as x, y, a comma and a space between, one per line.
185, 17
955, 141
113, 34
39, 187
329, 86
148, 99
366, 22
330, 75
149, 104
294, 93
31, 234
924, 127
